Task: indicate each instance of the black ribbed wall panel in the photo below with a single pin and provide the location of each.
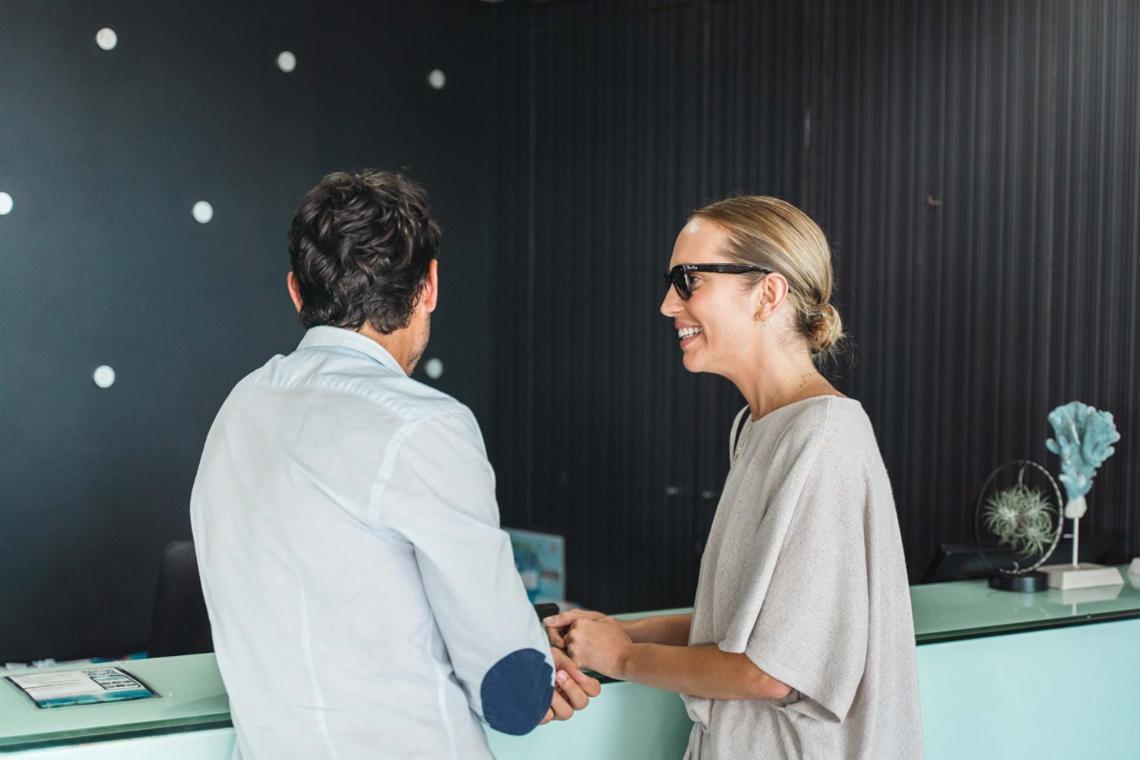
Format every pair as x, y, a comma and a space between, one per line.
617, 121
976, 165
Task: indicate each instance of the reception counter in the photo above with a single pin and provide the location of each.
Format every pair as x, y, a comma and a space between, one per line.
1049, 675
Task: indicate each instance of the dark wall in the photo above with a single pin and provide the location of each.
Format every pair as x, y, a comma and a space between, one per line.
567, 148
623, 120
978, 165
977, 168
104, 154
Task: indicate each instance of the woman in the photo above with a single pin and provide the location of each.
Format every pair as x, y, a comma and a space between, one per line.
801, 642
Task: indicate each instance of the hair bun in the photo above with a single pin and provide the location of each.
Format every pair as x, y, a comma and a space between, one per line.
826, 330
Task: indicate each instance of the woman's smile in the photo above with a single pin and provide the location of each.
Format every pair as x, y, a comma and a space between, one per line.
687, 335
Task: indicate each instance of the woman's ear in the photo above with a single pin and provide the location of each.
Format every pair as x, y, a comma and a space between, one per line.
768, 295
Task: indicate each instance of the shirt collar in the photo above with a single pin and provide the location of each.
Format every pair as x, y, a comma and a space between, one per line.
326, 336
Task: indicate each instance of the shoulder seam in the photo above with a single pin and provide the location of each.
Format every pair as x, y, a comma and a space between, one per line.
350, 389
388, 461
819, 433
826, 429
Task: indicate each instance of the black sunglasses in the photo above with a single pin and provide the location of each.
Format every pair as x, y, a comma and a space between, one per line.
678, 276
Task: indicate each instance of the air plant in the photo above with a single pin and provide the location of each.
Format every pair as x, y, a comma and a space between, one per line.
1021, 518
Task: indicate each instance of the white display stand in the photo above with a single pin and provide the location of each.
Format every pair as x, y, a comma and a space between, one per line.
1083, 575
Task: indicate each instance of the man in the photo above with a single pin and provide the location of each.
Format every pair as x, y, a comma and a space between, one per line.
364, 601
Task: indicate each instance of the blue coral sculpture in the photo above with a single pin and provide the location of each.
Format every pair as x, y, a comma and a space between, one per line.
1083, 439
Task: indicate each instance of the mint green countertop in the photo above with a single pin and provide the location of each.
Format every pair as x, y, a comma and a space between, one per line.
192, 696
968, 609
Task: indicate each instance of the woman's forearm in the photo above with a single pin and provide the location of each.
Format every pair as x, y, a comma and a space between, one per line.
700, 671
660, 629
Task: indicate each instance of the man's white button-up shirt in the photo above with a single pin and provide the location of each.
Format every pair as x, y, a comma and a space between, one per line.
363, 600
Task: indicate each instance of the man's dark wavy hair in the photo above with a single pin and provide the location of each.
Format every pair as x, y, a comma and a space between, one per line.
360, 246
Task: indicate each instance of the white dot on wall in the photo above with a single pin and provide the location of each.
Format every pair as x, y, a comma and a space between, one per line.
103, 376
286, 61
106, 38
203, 212
6, 204
434, 368
437, 79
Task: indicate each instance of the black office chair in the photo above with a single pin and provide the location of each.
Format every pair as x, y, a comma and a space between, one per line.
180, 624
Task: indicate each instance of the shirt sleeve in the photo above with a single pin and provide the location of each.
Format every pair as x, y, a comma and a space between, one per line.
440, 495
812, 629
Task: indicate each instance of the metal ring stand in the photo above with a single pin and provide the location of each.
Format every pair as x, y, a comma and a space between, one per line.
1025, 579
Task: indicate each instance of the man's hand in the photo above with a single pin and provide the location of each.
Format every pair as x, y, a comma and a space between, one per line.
573, 688
600, 644
558, 625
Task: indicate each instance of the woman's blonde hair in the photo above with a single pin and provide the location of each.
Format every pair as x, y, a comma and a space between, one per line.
769, 232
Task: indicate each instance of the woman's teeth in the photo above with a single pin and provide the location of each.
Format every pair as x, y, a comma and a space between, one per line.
688, 332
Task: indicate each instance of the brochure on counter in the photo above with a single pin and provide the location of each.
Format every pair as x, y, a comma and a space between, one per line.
86, 686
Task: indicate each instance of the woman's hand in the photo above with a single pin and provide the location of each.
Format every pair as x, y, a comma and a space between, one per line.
573, 691
598, 643
558, 625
